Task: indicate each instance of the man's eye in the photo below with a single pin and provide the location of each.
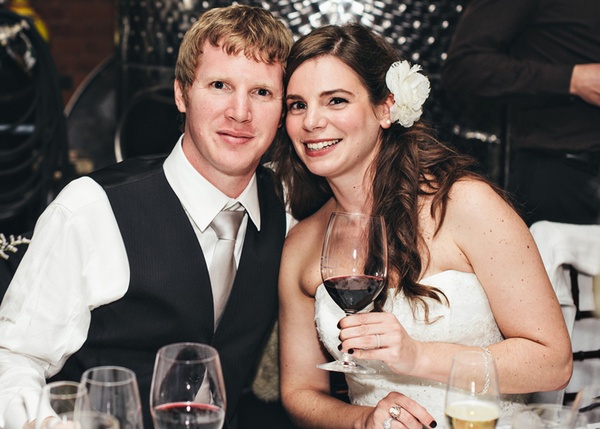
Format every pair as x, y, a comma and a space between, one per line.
263, 92
218, 85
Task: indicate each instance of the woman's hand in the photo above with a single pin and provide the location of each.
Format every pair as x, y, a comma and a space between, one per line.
409, 414
379, 336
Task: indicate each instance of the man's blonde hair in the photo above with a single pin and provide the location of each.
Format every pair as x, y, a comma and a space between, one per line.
236, 28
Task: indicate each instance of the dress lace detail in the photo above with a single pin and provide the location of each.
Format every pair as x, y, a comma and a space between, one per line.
467, 320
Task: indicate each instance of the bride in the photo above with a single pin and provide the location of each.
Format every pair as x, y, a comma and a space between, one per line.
464, 270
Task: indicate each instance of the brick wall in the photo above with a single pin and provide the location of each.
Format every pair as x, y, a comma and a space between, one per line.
81, 36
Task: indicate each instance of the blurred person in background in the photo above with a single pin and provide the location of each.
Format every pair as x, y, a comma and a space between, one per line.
541, 58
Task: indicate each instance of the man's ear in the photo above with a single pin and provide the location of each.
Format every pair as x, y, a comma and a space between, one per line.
282, 118
179, 97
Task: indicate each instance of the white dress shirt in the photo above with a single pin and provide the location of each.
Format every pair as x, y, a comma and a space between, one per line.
77, 262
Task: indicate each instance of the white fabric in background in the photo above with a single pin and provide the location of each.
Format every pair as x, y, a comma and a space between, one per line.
561, 245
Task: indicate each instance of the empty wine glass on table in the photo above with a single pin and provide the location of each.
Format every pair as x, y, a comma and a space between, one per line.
354, 269
86, 420
549, 416
472, 393
587, 403
187, 388
114, 390
57, 399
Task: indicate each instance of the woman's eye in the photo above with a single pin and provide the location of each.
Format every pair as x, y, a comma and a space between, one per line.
338, 100
296, 105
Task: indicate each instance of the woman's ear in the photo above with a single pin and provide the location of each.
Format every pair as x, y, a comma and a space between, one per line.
386, 107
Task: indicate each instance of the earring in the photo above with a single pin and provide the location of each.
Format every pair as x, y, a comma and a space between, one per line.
388, 122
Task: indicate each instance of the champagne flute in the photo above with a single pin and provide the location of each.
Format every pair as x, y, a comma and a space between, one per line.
187, 388
57, 399
353, 269
114, 390
472, 393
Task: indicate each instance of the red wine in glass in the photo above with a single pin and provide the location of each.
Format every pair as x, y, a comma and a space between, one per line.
353, 269
188, 390
188, 415
353, 293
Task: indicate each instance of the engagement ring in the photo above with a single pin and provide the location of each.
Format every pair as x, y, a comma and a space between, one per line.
395, 411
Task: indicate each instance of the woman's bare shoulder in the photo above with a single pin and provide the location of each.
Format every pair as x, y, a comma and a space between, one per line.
306, 230
473, 197
302, 253
476, 209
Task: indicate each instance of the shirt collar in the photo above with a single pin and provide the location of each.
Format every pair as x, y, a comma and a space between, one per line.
202, 200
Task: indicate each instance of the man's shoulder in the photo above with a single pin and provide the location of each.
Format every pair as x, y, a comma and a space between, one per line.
129, 171
79, 193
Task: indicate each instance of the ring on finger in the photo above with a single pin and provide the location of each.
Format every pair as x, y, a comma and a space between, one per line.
378, 341
395, 411
388, 423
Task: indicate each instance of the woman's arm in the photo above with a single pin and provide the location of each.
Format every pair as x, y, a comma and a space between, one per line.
305, 389
484, 234
536, 355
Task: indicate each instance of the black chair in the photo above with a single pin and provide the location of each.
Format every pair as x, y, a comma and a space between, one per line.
149, 124
33, 142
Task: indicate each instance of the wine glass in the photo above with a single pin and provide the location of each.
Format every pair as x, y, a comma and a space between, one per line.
86, 420
114, 390
472, 393
187, 387
353, 269
587, 402
548, 416
57, 399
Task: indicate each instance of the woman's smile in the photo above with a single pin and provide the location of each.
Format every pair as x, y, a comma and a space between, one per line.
313, 146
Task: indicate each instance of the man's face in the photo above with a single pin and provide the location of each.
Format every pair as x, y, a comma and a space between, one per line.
233, 112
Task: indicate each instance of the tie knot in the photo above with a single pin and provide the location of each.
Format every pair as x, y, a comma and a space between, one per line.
226, 224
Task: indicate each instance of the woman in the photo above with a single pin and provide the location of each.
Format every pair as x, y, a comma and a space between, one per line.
464, 271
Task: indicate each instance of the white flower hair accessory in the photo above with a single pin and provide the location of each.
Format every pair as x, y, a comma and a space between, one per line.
410, 89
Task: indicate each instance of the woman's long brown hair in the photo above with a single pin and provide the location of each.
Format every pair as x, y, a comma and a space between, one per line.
411, 164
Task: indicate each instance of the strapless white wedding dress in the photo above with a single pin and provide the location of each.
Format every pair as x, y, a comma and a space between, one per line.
467, 320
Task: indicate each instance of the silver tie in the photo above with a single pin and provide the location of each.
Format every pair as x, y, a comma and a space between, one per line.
222, 268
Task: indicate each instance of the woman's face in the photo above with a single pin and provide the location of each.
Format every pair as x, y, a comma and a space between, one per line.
330, 120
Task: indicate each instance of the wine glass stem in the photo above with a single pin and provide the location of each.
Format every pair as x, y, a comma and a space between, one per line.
347, 359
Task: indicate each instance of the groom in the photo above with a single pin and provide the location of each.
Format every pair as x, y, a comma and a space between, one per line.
118, 263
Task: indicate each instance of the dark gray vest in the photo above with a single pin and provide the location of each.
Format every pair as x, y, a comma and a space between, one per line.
169, 298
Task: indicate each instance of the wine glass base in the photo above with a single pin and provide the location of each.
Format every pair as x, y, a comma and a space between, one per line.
345, 366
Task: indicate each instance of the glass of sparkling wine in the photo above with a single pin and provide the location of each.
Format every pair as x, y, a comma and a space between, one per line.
353, 269
187, 389
65, 405
58, 399
472, 393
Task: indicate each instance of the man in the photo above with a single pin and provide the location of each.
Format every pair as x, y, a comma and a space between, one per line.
542, 58
118, 263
